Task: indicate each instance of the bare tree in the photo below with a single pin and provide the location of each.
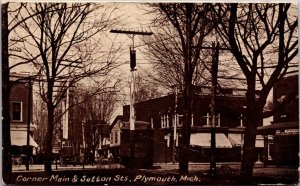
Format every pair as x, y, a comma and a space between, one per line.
63, 43
145, 88
40, 113
263, 39
176, 53
8, 25
94, 111
165, 50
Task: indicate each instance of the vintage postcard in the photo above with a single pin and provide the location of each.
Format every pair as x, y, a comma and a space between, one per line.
150, 93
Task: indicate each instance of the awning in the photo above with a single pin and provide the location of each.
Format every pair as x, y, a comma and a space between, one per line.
259, 142
235, 139
19, 138
203, 140
271, 129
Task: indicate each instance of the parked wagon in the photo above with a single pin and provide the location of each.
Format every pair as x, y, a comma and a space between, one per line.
68, 157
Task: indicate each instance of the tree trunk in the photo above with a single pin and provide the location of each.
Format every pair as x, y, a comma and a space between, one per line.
252, 120
49, 139
7, 164
184, 142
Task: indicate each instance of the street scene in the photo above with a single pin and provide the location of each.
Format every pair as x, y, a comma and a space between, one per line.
150, 93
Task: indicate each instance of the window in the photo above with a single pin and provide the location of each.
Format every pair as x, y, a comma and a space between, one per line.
162, 118
116, 137
112, 138
173, 120
151, 122
180, 120
209, 119
241, 120
167, 121
17, 111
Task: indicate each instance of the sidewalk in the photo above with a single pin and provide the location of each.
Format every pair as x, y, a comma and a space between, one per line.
40, 167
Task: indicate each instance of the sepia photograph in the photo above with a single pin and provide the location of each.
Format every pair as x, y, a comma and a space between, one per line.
150, 93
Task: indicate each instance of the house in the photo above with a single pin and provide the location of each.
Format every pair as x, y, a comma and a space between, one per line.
164, 112
115, 137
21, 114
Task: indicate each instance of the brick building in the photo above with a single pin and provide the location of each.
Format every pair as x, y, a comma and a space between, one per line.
160, 113
281, 138
21, 114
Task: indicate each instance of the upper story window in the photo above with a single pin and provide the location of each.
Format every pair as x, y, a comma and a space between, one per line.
209, 119
180, 120
163, 121
16, 111
151, 122
167, 121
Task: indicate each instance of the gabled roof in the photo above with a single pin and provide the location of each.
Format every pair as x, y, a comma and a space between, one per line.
118, 117
139, 125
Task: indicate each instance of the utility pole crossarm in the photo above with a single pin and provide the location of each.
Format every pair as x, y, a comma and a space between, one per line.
130, 32
212, 47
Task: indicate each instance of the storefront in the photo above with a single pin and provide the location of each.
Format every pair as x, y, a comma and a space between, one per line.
19, 143
284, 148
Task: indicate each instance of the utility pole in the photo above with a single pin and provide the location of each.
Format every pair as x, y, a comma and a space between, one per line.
214, 74
66, 114
83, 144
175, 125
28, 123
132, 34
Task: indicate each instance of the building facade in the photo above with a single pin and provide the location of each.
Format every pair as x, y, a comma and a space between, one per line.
281, 138
115, 137
21, 114
166, 112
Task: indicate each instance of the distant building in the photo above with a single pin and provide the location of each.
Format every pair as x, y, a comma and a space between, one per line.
21, 113
115, 136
